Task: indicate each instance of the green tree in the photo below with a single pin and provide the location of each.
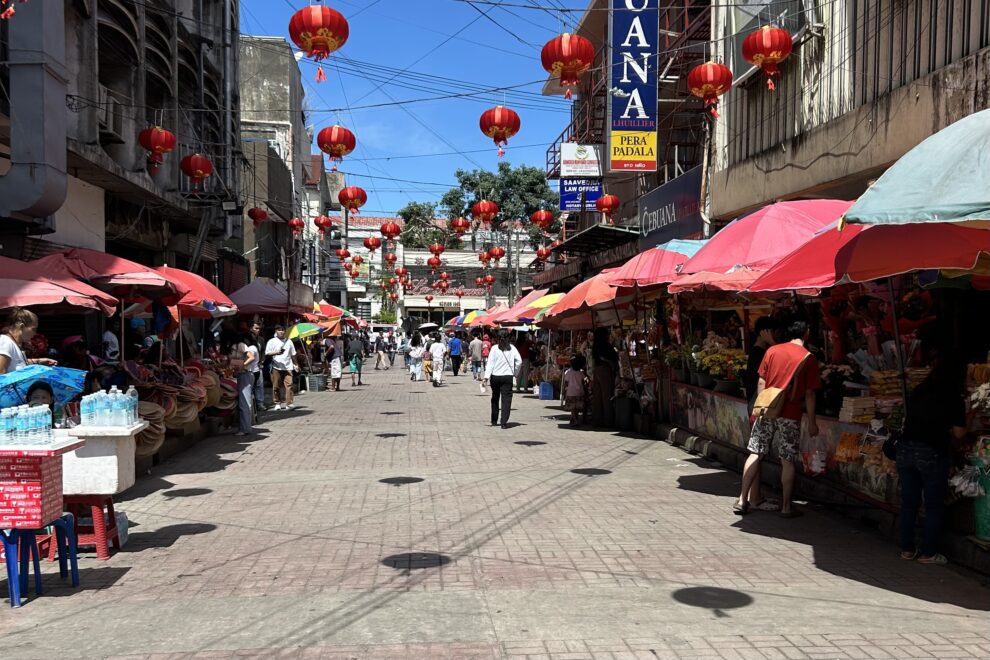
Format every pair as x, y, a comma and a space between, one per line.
384, 316
421, 229
518, 191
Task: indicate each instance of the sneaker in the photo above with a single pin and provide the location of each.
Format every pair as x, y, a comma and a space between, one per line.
289, 406
277, 406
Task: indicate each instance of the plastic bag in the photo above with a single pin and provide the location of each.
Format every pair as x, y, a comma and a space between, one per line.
816, 455
967, 482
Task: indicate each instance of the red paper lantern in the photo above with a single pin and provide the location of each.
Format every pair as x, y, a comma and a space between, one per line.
352, 198
567, 57
445, 276
542, 219
358, 260
318, 31
157, 142
489, 279
401, 271
392, 281
391, 258
342, 253
390, 230
479, 281
496, 253
444, 285
257, 215
337, 142
484, 257
429, 299
766, 48
543, 253
355, 273
437, 249
382, 286
372, 243
460, 225
394, 297
500, 124
459, 293
709, 81
296, 225
484, 211
197, 167
323, 223
608, 204
434, 263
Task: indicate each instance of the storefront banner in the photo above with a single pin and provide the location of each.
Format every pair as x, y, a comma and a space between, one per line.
671, 211
570, 194
580, 160
634, 29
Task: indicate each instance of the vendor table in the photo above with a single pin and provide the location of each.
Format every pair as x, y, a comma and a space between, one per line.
105, 465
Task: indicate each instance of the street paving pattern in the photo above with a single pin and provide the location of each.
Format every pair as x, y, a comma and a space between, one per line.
391, 521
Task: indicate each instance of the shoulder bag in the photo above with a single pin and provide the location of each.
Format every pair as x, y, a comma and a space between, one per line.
771, 401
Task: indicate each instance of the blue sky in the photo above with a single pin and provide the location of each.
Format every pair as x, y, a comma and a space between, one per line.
432, 38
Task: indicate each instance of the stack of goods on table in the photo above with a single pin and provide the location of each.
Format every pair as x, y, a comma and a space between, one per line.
857, 410
178, 396
888, 383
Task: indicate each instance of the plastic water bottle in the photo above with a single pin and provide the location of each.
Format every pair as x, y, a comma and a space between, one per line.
102, 409
6, 427
22, 425
46, 427
118, 404
85, 410
132, 394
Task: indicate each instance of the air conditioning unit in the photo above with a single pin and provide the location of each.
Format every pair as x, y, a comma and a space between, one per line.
112, 119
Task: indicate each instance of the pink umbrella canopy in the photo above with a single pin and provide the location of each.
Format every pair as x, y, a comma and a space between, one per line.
521, 305
203, 300
736, 280
24, 284
859, 253
654, 267
115, 274
763, 238
593, 300
485, 320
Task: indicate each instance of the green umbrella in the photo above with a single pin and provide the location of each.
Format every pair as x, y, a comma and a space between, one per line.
301, 330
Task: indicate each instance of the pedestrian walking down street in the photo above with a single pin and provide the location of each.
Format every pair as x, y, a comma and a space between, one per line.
791, 368
503, 366
477, 357
438, 351
259, 373
335, 359
391, 347
404, 349
381, 357
282, 353
244, 362
454, 347
355, 358
936, 415
415, 353
522, 379
606, 366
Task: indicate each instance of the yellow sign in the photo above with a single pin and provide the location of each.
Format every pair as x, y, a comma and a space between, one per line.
633, 150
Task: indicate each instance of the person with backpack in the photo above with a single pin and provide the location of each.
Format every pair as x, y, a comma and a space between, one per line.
283, 353
789, 377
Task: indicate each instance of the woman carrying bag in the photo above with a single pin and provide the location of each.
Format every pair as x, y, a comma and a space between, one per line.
504, 364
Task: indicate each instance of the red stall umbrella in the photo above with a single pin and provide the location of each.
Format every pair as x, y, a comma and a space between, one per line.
25, 284
204, 299
109, 273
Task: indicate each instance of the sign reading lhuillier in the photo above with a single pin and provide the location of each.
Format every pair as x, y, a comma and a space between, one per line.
633, 85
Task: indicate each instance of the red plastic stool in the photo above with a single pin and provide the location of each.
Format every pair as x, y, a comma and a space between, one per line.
101, 531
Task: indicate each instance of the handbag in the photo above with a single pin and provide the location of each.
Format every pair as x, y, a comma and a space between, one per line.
771, 401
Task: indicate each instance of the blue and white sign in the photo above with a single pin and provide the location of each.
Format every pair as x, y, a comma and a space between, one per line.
570, 194
635, 35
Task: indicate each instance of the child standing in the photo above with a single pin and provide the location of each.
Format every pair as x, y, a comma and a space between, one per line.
427, 364
574, 388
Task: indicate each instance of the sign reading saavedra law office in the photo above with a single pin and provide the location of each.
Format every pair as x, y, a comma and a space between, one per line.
634, 30
671, 211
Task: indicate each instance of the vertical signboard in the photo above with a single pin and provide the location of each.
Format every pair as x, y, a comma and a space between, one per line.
634, 29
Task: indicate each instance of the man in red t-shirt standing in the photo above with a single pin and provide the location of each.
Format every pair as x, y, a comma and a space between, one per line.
790, 367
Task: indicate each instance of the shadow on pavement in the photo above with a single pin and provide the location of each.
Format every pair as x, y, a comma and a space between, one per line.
713, 598
529, 443
90, 579
187, 492
719, 484
400, 481
591, 472
164, 537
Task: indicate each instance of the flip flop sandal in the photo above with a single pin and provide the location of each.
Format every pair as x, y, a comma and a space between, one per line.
936, 559
909, 556
740, 509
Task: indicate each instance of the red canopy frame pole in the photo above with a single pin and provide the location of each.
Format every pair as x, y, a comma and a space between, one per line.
122, 342
182, 339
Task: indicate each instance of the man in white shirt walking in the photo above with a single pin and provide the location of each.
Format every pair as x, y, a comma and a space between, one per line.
282, 353
439, 351
504, 363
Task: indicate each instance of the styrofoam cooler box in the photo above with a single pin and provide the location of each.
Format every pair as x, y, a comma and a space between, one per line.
105, 464
30, 491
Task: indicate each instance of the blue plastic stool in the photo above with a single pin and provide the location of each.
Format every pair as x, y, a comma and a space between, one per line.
19, 546
65, 543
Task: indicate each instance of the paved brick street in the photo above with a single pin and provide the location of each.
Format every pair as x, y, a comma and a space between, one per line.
492, 548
